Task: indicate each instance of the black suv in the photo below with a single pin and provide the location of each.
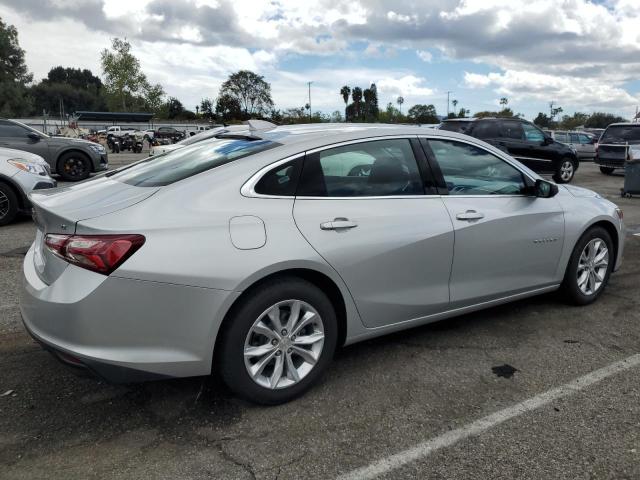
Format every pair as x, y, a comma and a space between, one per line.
523, 141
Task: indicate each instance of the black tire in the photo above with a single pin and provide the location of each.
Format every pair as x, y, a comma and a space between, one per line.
607, 170
570, 289
8, 204
560, 176
74, 166
229, 355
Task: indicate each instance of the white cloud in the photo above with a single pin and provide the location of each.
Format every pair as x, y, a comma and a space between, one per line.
425, 55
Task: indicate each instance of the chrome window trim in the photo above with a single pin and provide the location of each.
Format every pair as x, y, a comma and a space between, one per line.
248, 188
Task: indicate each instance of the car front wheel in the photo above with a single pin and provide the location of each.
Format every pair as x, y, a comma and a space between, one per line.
565, 171
74, 166
589, 267
278, 341
8, 204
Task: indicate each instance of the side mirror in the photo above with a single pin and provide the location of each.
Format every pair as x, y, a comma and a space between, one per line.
544, 189
547, 140
34, 136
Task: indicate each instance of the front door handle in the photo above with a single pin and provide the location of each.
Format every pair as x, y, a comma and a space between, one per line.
338, 224
470, 215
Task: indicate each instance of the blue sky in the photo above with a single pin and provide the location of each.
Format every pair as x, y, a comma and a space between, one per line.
582, 54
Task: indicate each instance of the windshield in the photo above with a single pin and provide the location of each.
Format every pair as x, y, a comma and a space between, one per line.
186, 162
32, 129
621, 133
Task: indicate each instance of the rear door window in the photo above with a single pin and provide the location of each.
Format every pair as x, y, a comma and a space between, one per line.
486, 129
366, 169
573, 137
188, 161
512, 130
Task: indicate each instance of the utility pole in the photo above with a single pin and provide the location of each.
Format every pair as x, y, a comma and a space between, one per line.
448, 94
309, 85
551, 110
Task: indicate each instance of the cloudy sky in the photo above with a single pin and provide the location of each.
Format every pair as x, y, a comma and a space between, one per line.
582, 54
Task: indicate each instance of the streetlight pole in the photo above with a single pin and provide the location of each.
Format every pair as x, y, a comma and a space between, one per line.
448, 94
309, 85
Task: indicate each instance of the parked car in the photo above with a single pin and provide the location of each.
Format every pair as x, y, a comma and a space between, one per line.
20, 174
522, 140
196, 129
614, 146
583, 143
170, 133
71, 158
258, 254
119, 131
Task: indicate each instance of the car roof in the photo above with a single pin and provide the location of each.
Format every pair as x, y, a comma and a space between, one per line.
624, 124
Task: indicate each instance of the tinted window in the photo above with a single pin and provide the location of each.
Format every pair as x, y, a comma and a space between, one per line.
585, 139
281, 181
8, 129
455, 126
512, 130
367, 169
486, 129
561, 137
621, 133
185, 162
469, 170
573, 137
532, 134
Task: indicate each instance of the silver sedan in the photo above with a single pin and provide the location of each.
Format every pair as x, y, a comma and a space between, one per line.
259, 252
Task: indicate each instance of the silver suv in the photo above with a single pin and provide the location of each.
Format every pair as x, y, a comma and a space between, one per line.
71, 158
20, 174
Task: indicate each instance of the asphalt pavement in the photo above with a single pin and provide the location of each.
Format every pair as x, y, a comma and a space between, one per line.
379, 402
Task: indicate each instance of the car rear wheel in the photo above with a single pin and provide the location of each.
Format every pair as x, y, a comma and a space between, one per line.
565, 172
278, 341
589, 267
607, 170
74, 166
8, 204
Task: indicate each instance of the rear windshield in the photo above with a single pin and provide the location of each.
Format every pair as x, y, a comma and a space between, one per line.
188, 161
621, 133
453, 126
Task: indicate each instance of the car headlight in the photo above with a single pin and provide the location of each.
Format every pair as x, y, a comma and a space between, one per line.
97, 148
28, 166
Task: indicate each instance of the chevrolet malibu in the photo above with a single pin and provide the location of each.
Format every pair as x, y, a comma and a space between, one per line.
257, 253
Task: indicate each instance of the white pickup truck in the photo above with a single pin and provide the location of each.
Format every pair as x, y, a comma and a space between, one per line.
118, 131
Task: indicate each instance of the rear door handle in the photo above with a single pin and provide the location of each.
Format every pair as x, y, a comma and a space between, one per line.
338, 224
470, 215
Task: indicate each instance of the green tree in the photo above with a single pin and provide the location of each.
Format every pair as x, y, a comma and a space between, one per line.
228, 108
370, 95
602, 120
207, 109
356, 95
250, 91
571, 122
345, 92
423, 114
124, 80
454, 102
542, 120
503, 102
70, 89
153, 97
14, 100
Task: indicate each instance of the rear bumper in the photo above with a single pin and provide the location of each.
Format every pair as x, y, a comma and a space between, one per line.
120, 329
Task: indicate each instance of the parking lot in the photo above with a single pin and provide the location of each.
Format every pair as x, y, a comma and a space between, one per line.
414, 395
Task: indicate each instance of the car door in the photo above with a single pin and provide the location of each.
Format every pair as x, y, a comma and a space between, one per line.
13, 135
364, 208
540, 152
513, 142
506, 241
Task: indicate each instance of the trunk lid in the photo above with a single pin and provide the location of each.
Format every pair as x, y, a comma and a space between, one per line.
59, 211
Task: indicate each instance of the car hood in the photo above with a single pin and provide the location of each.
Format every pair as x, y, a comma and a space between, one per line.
85, 200
580, 192
69, 141
10, 153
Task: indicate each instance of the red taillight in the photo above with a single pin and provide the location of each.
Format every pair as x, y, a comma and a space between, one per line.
98, 253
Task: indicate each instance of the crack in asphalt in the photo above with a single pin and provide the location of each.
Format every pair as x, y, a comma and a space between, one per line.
230, 458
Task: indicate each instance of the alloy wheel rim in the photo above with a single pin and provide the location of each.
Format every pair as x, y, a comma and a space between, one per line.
592, 266
4, 205
74, 167
566, 171
284, 344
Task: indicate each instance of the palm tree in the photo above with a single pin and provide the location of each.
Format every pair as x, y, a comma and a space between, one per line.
356, 94
345, 92
503, 102
400, 101
454, 103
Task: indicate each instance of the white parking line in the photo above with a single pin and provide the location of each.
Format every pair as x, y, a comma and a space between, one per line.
452, 437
